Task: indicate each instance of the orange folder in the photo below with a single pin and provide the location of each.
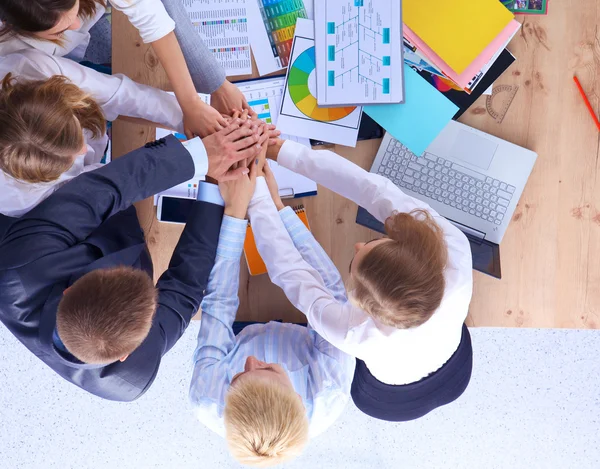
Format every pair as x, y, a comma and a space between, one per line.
256, 266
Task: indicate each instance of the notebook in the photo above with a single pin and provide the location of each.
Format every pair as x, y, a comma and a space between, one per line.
256, 265
458, 30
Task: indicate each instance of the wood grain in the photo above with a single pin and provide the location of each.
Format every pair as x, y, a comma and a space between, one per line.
550, 254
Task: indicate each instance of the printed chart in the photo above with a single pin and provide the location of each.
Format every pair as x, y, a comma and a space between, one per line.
223, 26
300, 113
264, 97
359, 52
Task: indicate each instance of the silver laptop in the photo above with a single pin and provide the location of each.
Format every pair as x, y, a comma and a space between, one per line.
472, 178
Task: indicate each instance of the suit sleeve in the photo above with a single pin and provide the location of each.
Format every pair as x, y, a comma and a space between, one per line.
183, 286
74, 211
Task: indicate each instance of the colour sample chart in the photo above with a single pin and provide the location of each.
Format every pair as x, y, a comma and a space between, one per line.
264, 96
223, 26
359, 52
280, 18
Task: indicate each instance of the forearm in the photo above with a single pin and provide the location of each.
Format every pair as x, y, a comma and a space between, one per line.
171, 57
207, 74
313, 253
220, 305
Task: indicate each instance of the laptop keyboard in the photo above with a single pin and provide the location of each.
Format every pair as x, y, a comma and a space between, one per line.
447, 182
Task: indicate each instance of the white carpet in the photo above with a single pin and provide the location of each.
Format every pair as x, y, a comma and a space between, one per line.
533, 402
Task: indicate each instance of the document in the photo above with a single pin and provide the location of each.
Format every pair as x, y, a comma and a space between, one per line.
359, 52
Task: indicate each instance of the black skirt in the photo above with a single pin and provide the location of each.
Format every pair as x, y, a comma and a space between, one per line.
414, 400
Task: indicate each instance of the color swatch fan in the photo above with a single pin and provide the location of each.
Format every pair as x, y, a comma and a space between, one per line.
300, 114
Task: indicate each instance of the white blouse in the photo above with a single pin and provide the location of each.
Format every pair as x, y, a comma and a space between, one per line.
148, 16
393, 356
117, 95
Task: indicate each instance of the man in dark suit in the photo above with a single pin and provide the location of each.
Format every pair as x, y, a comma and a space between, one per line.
75, 274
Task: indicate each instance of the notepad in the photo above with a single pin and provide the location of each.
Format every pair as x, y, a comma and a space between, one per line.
418, 121
256, 266
457, 30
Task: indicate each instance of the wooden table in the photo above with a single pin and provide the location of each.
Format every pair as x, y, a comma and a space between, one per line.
551, 276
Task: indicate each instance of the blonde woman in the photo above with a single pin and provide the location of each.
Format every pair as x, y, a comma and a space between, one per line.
61, 28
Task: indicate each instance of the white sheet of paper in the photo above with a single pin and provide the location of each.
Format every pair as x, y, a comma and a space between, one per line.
224, 27
359, 52
489, 90
299, 113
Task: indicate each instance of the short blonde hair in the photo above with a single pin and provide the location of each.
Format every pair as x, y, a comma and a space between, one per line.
265, 422
400, 283
42, 124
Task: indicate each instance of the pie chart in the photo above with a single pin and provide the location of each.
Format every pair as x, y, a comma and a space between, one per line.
300, 93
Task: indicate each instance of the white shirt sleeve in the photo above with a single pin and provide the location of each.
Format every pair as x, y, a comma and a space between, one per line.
378, 195
118, 95
148, 16
302, 284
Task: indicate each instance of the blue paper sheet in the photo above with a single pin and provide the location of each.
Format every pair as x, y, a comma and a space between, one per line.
421, 118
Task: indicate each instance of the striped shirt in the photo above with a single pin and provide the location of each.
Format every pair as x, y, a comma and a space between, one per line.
321, 374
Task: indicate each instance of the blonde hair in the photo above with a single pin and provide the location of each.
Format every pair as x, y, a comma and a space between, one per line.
400, 283
41, 126
265, 422
106, 314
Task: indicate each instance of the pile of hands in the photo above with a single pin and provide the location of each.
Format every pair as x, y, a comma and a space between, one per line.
237, 155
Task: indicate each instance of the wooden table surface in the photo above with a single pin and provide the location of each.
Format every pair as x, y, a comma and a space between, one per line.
550, 268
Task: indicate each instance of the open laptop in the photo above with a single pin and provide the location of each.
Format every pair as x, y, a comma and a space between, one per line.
472, 178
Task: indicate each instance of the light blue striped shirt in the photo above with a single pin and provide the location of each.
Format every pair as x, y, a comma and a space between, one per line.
321, 374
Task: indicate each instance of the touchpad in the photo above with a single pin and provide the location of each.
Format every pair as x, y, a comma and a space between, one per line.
473, 149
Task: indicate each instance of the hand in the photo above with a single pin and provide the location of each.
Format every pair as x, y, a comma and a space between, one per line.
273, 132
273, 187
237, 142
262, 156
227, 98
238, 193
274, 148
200, 119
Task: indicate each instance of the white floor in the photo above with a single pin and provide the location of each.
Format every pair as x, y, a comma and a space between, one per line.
533, 402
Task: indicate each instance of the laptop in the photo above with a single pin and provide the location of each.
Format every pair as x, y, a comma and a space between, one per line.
473, 179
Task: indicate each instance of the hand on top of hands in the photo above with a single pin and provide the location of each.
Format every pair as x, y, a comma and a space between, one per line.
228, 98
202, 120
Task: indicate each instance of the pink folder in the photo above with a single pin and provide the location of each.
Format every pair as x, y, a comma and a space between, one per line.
480, 62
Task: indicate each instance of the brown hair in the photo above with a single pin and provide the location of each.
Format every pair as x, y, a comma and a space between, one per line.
106, 314
265, 422
401, 282
27, 17
41, 126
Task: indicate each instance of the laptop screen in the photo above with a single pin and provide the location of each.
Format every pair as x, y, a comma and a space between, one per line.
486, 255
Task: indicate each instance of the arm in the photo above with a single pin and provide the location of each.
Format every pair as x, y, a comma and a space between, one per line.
71, 213
313, 253
219, 307
301, 283
118, 95
182, 287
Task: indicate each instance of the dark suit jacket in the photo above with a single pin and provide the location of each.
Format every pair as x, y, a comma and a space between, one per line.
89, 224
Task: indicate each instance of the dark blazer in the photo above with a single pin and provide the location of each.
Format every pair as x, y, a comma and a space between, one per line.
89, 224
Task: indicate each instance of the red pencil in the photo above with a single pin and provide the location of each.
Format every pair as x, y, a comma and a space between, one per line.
587, 103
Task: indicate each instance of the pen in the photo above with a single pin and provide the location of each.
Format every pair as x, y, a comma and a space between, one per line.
587, 103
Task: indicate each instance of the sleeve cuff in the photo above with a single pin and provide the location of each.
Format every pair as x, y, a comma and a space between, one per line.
195, 147
262, 190
294, 226
231, 239
288, 155
210, 193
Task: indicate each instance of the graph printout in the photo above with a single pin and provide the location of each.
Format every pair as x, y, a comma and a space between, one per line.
359, 52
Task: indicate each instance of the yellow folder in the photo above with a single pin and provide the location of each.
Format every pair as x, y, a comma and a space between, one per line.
457, 30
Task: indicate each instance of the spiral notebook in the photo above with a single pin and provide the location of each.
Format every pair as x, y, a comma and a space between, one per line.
256, 265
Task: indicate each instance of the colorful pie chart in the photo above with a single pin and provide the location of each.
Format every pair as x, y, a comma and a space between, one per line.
306, 103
